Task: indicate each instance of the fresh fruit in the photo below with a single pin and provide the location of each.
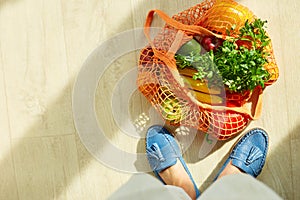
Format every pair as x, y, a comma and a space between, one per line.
211, 43
200, 86
171, 109
187, 71
207, 98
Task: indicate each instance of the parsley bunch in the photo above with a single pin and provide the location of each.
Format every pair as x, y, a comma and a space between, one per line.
242, 68
238, 63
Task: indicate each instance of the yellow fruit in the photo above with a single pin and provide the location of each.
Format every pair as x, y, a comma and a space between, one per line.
206, 98
187, 71
171, 109
200, 86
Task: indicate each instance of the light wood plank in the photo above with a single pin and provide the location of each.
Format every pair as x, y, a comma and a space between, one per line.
8, 186
282, 111
291, 66
279, 156
47, 168
34, 61
140, 10
86, 25
295, 162
43, 45
98, 181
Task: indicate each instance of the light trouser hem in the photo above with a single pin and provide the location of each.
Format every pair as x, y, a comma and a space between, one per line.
146, 187
238, 186
230, 187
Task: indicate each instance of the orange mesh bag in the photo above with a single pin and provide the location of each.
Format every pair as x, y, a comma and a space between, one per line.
160, 81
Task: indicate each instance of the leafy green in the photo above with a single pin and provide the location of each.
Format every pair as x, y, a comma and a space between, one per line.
239, 67
256, 32
242, 68
186, 61
190, 46
204, 64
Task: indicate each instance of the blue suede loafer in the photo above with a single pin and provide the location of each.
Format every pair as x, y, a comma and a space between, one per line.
163, 151
249, 154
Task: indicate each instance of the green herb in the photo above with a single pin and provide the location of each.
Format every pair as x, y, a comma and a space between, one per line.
207, 70
186, 61
256, 32
238, 63
243, 68
191, 46
204, 64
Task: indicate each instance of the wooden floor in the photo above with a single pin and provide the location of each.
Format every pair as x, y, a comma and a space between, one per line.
43, 45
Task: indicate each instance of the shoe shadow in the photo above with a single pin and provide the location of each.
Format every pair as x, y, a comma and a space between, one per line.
203, 146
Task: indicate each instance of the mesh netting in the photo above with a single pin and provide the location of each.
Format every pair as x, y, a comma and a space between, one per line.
160, 82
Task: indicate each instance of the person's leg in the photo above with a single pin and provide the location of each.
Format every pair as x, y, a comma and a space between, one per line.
239, 186
247, 157
146, 187
236, 179
177, 176
166, 161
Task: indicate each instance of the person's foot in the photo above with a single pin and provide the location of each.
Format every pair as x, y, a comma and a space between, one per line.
248, 155
229, 169
177, 176
163, 154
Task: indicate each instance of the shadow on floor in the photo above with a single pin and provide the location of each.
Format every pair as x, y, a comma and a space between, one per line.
44, 163
278, 171
59, 161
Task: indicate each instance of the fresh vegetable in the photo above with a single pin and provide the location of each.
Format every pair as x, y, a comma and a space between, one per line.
188, 75
236, 63
236, 99
255, 33
187, 71
190, 47
241, 69
211, 43
171, 109
192, 66
240, 63
170, 105
200, 86
205, 68
230, 121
